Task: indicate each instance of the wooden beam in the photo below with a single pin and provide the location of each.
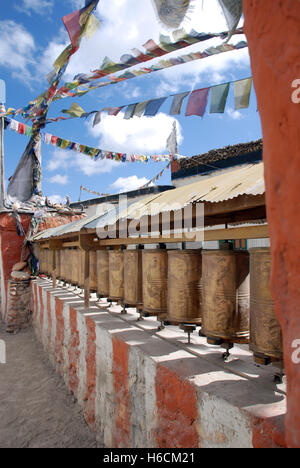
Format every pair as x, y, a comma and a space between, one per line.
245, 232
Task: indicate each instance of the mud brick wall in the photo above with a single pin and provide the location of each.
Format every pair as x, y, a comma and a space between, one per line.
19, 305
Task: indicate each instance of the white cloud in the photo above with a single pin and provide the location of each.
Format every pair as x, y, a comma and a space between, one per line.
234, 114
59, 179
40, 7
80, 162
136, 135
126, 184
16, 49
57, 199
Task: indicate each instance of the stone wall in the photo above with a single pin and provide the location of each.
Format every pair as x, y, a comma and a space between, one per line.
137, 389
19, 306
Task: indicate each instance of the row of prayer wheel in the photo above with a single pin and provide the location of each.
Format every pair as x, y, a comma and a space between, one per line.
225, 291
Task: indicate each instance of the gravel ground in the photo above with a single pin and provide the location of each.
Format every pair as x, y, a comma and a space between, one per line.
36, 408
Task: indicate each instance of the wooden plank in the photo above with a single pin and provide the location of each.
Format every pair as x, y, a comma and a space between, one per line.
245, 232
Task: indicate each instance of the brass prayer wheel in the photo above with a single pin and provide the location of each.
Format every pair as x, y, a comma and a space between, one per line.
62, 265
81, 268
74, 266
93, 271
133, 278
102, 273
184, 276
57, 263
68, 265
116, 275
265, 330
42, 261
155, 281
225, 296
49, 262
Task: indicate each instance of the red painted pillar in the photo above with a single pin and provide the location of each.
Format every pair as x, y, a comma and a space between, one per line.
273, 33
11, 246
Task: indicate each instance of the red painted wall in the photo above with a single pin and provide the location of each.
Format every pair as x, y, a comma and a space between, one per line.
11, 242
273, 33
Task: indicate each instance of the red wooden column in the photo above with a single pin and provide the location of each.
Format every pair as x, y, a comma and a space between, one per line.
273, 33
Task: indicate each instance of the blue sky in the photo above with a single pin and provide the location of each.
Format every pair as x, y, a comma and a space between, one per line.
33, 35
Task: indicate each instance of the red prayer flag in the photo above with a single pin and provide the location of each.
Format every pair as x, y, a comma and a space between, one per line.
197, 102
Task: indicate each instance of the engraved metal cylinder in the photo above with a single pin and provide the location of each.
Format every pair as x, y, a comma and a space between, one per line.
102, 273
42, 261
49, 262
155, 281
68, 265
265, 330
57, 263
184, 276
62, 264
116, 275
225, 295
74, 267
133, 278
93, 271
46, 261
81, 268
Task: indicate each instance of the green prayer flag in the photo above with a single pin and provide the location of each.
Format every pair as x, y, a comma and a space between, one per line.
219, 98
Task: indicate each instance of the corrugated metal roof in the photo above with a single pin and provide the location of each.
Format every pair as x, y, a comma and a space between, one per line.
246, 180
69, 228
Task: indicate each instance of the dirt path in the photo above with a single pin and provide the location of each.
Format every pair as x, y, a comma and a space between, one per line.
36, 409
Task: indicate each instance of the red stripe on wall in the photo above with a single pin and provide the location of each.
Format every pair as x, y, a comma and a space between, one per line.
121, 433
60, 331
90, 396
49, 316
177, 411
41, 309
268, 433
73, 353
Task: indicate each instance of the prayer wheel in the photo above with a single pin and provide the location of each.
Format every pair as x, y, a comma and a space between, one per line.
57, 263
68, 265
62, 265
116, 275
81, 268
155, 282
184, 276
225, 296
75, 260
102, 273
133, 278
265, 331
93, 271
45, 261
49, 262
42, 261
